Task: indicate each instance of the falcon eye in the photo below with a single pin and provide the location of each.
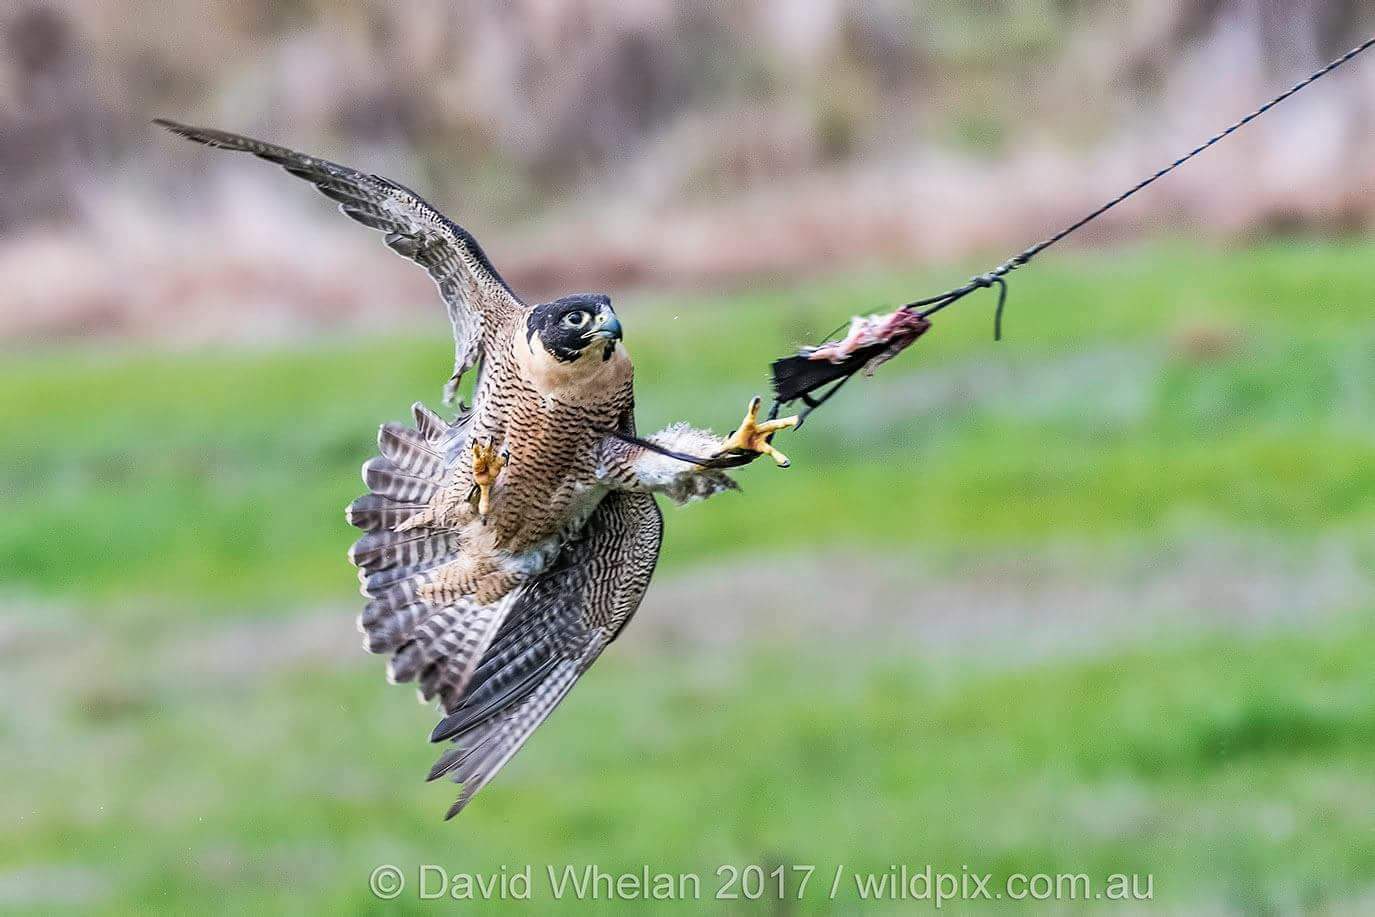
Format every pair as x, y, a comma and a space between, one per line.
577, 319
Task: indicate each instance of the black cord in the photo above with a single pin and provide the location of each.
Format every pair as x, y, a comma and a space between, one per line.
929, 306
996, 277
731, 459
934, 304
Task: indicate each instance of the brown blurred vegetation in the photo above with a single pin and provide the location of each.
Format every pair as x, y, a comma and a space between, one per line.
676, 143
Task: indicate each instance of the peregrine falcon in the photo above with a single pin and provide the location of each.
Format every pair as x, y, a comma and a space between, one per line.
504, 550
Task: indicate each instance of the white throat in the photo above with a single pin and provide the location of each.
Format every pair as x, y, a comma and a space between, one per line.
588, 379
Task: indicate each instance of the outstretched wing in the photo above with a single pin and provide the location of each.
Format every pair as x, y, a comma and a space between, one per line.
498, 670
478, 299
559, 625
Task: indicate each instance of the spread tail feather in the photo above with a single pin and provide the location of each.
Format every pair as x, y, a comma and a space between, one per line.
452, 639
393, 562
408, 450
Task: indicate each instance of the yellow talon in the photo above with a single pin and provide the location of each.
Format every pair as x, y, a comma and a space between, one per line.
487, 465
753, 436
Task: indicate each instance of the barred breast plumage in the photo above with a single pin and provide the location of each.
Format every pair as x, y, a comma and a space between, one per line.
549, 421
552, 443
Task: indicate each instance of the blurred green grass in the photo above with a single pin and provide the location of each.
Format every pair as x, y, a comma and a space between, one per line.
1222, 378
1162, 394
1233, 771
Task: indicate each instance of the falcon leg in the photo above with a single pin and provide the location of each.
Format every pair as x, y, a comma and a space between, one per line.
488, 462
754, 436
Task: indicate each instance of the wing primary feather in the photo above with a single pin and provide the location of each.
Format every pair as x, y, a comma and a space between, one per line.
413, 227
480, 705
517, 726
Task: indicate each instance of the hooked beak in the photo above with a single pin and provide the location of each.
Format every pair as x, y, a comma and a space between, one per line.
606, 326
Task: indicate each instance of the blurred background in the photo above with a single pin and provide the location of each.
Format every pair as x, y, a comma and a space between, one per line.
1095, 599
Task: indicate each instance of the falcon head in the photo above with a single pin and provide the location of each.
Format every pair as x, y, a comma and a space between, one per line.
576, 326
